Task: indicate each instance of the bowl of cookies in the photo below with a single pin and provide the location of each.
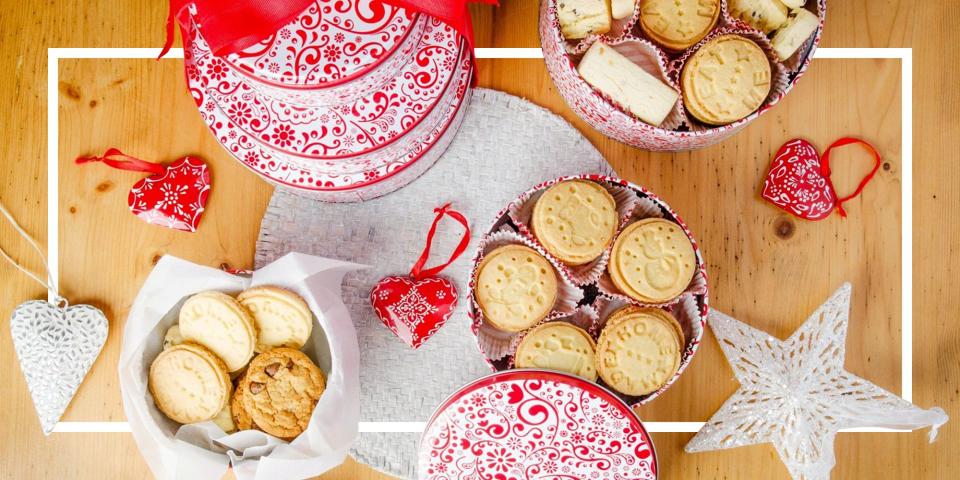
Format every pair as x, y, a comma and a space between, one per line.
592, 276
676, 75
256, 372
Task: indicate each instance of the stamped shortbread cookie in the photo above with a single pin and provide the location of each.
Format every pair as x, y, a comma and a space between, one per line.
189, 383
678, 24
639, 350
283, 319
218, 322
652, 261
727, 79
172, 337
280, 390
515, 287
575, 220
558, 346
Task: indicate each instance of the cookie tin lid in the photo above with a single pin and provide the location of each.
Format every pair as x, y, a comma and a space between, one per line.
374, 121
535, 424
329, 43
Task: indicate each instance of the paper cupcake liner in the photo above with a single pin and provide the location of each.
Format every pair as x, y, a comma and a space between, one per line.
495, 343
679, 131
584, 317
689, 312
520, 212
649, 207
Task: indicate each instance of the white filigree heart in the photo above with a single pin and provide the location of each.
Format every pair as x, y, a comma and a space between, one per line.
56, 347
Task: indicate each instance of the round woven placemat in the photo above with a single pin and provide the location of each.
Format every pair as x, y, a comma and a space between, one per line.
505, 146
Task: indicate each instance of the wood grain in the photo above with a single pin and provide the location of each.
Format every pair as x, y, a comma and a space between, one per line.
764, 266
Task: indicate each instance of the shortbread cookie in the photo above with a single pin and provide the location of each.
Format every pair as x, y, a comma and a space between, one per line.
639, 350
580, 18
626, 84
218, 322
727, 79
620, 9
678, 24
515, 287
283, 319
652, 261
172, 337
224, 420
189, 383
764, 15
280, 389
801, 24
575, 220
558, 346
240, 416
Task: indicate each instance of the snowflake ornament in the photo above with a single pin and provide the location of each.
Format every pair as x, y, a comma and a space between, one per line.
796, 394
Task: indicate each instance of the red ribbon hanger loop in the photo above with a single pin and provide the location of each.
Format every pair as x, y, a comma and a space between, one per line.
825, 168
417, 272
119, 160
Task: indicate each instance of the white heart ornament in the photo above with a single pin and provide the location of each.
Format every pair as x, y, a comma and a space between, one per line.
56, 346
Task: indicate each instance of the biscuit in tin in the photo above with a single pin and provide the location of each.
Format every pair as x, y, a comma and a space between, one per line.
516, 287
652, 261
558, 346
189, 383
725, 80
575, 220
218, 322
639, 350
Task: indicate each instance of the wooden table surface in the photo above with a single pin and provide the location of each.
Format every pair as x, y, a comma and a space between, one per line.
765, 267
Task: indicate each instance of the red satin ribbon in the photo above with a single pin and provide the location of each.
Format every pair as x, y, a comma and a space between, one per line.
417, 272
230, 26
117, 159
825, 169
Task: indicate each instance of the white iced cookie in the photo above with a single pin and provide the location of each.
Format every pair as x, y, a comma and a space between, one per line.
172, 337
283, 319
218, 322
189, 383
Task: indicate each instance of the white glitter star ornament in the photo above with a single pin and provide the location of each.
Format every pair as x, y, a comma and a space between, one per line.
796, 394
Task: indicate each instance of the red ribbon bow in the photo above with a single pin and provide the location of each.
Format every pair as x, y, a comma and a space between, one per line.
230, 26
417, 272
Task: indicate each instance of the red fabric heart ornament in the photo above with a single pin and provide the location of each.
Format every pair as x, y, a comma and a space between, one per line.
799, 179
414, 307
173, 196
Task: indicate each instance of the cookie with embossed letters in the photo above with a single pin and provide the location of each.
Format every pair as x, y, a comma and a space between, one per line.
516, 287
678, 24
283, 319
639, 350
558, 346
280, 390
652, 261
218, 321
575, 220
725, 80
189, 383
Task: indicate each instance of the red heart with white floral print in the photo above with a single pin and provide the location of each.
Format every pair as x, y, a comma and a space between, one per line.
797, 184
175, 197
414, 309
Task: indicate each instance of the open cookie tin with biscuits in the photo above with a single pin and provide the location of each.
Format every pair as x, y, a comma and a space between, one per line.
586, 296
680, 130
205, 448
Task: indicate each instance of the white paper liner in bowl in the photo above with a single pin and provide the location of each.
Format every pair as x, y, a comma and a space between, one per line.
689, 311
647, 207
584, 317
494, 343
520, 212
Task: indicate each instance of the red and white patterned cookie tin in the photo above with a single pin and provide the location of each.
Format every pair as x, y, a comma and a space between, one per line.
599, 296
353, 151
561, 58
333, 52
535, 424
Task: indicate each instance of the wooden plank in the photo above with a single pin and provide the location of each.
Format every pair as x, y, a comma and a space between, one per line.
764, 266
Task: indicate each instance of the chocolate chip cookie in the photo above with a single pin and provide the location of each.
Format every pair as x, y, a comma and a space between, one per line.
279, 391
